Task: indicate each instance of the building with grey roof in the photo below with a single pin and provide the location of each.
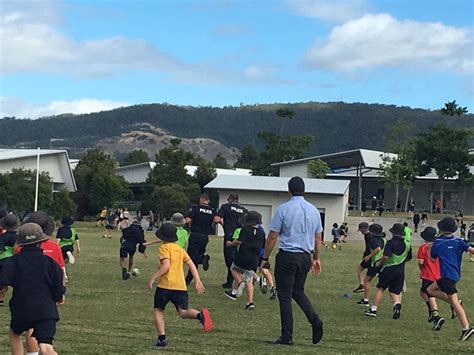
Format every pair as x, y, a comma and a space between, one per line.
265, 193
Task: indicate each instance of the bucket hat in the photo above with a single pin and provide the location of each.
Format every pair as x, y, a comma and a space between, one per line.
30, 233
167, 233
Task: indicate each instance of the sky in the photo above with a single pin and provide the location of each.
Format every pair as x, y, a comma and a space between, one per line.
86, 56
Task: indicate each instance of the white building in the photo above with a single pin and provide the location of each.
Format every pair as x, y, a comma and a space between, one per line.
362, 168
265, 193
55, 162
138, 173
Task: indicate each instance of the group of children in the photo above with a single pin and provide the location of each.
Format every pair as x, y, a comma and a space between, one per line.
439, 260
34, 266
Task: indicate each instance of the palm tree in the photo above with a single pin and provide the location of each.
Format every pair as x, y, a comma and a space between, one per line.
283, 114
452, 108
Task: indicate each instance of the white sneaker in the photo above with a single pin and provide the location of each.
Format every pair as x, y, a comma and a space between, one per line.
240, 289
71, 258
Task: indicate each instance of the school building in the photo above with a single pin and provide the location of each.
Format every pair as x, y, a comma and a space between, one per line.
362, 168
55, 162
265, 193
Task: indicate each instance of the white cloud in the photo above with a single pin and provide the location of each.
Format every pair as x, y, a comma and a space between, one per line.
381, 40
16, 107
36, 45
329, 10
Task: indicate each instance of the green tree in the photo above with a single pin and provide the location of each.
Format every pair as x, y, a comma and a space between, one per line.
170, 166
97, 183
318, 168
247, 157
204, 174
167, 200
446, 151
17, 190
278, 148
451, 108
284, 114
63, 205
136, 157
399, 168
220, 162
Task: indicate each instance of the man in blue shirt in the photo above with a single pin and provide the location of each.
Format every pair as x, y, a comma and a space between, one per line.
449, 250
298, 223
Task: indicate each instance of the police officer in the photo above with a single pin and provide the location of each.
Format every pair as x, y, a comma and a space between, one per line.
229, 215
201, 218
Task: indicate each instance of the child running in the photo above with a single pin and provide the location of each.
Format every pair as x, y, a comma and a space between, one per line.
376, 247
266, 279
37, 283
172, 285
7, 244
131, 237
397, 251
336, 235
449, 250
250, 239
364, 229
66, 237
429, 273
178, 220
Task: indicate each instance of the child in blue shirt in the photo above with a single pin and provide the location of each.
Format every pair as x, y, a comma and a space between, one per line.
449, 250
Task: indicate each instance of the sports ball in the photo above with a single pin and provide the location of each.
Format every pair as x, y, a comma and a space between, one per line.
136, 271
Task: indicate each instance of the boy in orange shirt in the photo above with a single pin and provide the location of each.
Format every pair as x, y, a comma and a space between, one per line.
172, 285
429, 273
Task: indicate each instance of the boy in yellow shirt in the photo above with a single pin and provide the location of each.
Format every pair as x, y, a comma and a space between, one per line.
172, 285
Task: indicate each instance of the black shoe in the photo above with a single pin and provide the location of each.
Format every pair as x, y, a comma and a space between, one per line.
359, 288
363, 302
227, 285
396, 311
371, 313
317, 331
280, 341
438, 323
249, 306
125, 274
205, 262
465, 334
161, 343
230, 295
273, 293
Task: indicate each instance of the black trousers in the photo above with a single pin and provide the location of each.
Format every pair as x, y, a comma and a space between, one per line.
291, 270
229, 256
196, 249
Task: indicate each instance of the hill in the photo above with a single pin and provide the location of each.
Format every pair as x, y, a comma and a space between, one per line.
335, 126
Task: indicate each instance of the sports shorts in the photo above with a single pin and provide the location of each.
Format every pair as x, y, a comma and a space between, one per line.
178, 298
247, 275
448, 286
425, 284
43, 330
392, 277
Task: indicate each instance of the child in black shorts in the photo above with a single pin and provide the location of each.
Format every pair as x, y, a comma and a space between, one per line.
392, 275
376, 247
131, 237
37, 282
172, 285
67, 236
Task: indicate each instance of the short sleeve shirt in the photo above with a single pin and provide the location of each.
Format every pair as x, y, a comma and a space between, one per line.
183, 236
449, 250
296, 221
174, 278
202, 217
429, 269
376, 242
231, 213
253, 240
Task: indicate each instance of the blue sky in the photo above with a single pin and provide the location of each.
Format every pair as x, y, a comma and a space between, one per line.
85, 56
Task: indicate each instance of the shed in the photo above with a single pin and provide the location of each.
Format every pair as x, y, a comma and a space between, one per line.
265, 193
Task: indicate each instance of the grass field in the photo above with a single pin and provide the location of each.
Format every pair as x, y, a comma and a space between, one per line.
104, 314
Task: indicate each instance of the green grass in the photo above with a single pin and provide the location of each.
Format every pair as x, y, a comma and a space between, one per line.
104, 314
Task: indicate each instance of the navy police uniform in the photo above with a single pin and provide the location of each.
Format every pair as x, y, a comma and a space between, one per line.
202, 218
231, 212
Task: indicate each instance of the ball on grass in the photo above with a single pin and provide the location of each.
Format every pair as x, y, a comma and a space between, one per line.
135, 271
